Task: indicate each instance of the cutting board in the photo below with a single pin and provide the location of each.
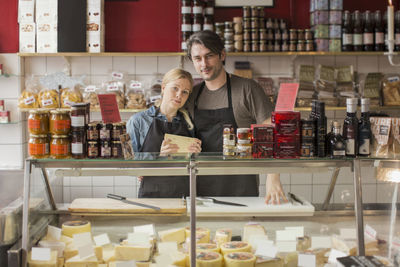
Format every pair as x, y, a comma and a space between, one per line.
112, 206
255, 207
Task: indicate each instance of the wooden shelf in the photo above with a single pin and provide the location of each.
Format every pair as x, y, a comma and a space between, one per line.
372, 108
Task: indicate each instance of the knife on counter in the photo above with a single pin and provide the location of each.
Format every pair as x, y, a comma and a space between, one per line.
216, 201
125, 200
295, 198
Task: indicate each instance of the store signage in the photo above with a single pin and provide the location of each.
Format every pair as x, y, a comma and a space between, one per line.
287, 97
109, 108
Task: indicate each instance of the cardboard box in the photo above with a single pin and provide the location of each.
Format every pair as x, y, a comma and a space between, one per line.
46, 38
46, 11
94, 42
27, 37
26, 11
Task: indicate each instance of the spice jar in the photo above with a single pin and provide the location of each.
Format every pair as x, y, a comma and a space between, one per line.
78, 115
38, 146
254, 11
105, 149
93, 149
243, 149
38, 122
117, 130
92, 133
309, 45
60, 122
246, 12
197, 7
78, 144
117, 150
60, 147
105, 131
197, 23
243, 134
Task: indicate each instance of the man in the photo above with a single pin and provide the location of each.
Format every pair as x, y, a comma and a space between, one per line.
225, 99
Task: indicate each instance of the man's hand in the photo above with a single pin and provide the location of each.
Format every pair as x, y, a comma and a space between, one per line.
274, 191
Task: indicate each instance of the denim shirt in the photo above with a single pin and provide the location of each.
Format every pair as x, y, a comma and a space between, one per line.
139, 125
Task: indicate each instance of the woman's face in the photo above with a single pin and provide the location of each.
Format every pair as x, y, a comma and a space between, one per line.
175, 93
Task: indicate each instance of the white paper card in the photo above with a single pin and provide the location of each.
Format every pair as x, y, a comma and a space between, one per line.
167, 247
286, 246
321, 242
41, 254
125, 264
298, 229
348, 233
101, 240
266, 249
370, 232
148, 228
54, 232
138, 238
255, 239
85, 250
307, 260
286, 235
82, 239
334, 254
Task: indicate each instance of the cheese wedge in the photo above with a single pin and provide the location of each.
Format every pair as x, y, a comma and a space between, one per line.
70, 251
319, 255
200, 231
108, 254
223, 236
207, 247
239, 259
78, 262
290, 259
252, 229
60, 262
137, 253
71, 228
303, 243
178, 259
98, 251
350, 246
208, 259
173, 235
50, 263
235, 246
269, 262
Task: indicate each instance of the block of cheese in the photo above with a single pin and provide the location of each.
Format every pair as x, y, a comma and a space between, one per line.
269, 262
178, 259
60, 262
70, 251
138, 264
207, 247
78, 262
108, 254
137, 253
98, 251
303, 243
50, 263
177, 235
200, 231
223, 236
252, 229
235, 246
320, 255
208, 259
70, 228
290, 259
53, 245
103, 265
350, 246
239, 259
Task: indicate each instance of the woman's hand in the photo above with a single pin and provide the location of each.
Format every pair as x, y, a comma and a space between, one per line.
274, 189
168, 148
195, 147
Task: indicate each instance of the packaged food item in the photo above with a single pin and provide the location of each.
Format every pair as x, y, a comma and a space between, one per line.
373, 85
243, 133
105, 149
49, 98
60, 147
78, 144
71, 96
287, 123
38, 122
117, 130
391, 91
117, 150
1, 104
38, 146
90, 96
60, 122
263, 150
396, 137
127, 148
105, 131
29, 97
78, 115
93, 149
135, 96
117, 88
154, 93
326, 78
92, 133
381, 138
244, 149
5, 116
262, 132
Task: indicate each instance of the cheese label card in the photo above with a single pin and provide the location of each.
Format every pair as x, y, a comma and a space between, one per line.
287, 97
41, 254
286, 246
85, 250
255, 239
286, 235
307, 260
125, 264
82, 239
138, 238
148, 228
109, 108
370, 232
348, 233
299, 230
183, 142
321, 242
101, 240
167, 247
54, 232
334, 254
266, 249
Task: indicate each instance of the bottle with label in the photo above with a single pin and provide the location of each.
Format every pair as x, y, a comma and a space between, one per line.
357, 31
379, 32
368, 35
328, 139
336, 144
364, 129
350, 127
397, 31
347, 32
385, 17
318, 114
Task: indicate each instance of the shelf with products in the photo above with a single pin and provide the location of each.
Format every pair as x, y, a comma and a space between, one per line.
92, 110
373, 108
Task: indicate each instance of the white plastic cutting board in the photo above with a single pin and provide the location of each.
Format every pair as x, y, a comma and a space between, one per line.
255, 207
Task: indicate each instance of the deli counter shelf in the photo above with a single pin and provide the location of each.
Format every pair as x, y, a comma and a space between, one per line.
373, 108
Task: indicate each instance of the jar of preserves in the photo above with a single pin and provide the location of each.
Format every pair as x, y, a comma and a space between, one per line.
246, 12
117, 150
244, 149
228, 35
301, 45
254, 35
117, 130
262, 34
278, 35
209, 9
270, 35
285, 35
285, 46
197, 23
186, 7
293, 35
300, 34
93, 150
282, 24
254, 46
308, 35
270, 46
229, 151
186, 23
247, 46
246, 24
246, 35
260, 11
78, 115
105, 131
229, 47
60, 147
208, 23
277, 46
105, 149
254, 11
78, 144
92, 133
38, 146
243, 133
38, 122
269, 24
309, 45
254, 23
197, 7
263, 46
219, 27
293, 46
228, 25
60, 122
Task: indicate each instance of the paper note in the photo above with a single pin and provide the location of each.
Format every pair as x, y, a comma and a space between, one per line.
85, 250
54, 232
183, 142
148, 228
254, 240
287, 97
266, 249
109, 108
82, 239
167, 247
138, 238
298, 230
321, 242
307, 260
41, 254
101, 240
286, 246
370, 232
348, 233
286, 235
334, 254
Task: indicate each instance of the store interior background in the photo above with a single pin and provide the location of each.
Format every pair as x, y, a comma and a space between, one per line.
136, 27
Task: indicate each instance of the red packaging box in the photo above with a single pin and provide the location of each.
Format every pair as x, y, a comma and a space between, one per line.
286, 122
263, 150
287, 150
287, 138
262, 132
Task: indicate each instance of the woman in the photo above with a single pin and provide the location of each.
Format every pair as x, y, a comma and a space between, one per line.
147, 130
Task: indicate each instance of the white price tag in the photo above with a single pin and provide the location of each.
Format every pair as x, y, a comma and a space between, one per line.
348, 233
286, 246
117, 75
47, 102
90, 88
41, 254
85, 251
148, 228
138, 238
370, 232
266, 249
286, 235
29, 100
167, 247
321, 242
82, 239
307, 260
68, 103
54, 232
112, 87
101, 240
135, 85
255, 239
298, 230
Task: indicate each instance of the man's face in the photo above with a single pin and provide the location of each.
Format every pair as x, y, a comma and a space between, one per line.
207, 64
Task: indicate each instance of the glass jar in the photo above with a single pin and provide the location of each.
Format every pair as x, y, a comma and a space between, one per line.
186, 23
282, 24
309, 45
38, 122
197, 7
105, 149
243, 133
285, 35
228, 35
60, 147
246, 35
228, 25
301, 46
117, 150
254, 46
197, 23
260, 11
254, 35
229, 151
263, 46
285, 46
270, 46
246, 24
208, 23
244, 149
270, 35
105, 131
117, 130
277, 46
78, 144
186, 7
262, 34
219, 27
78, 115
209, 10
38, 146
238, 24
60, 122
229, 47
293, 46
93, 150
308, 35
246, 12
238, 46
247, 46
254, 23
300, 35
293, 35
254, 11
92, 133
277, 35
269, 24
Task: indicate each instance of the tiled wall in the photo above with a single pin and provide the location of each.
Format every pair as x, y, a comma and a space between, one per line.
312, 186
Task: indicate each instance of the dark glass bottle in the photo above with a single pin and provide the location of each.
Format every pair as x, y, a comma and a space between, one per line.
397, 31
328, 139
385, 18
336, 143
379, 32
347, 32
350, 127
368, 35
357, 32
364, 129
318, 114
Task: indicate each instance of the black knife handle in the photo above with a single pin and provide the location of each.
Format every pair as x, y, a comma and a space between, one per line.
117, 197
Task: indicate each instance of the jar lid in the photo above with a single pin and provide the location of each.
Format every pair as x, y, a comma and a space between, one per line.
292, 30
78, 105
117, 124
59, 111
38, 111
38, 135
116, 142
243, 130
59, 136
243, 142
92, 142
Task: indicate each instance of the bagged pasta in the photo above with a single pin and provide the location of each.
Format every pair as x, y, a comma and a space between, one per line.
90, 96
326, 79
135, 96
381, 137
70, 96
49, 98
29, 98
117, 88
391, 91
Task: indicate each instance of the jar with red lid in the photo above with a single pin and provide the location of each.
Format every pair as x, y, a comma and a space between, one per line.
60, 147
38, 146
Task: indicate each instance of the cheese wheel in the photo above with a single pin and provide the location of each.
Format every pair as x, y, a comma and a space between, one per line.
223, 236
235, 246
208, 259
204, 232
71, 228
239, 259
207, 247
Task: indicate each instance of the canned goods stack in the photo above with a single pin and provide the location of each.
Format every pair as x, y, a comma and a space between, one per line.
326, 22
301, 40
228, 36
196, 15
263, 140
229, 141
238, 34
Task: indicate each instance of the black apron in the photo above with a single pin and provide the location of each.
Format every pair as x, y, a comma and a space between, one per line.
163, 186
209, 127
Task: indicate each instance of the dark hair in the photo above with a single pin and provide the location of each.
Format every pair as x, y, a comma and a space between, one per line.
209, 39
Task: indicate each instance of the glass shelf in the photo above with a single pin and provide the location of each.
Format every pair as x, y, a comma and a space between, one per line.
7, 123
372, 108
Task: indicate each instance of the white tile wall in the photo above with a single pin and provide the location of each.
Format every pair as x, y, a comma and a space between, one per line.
125, 64
101, 65
167, 63
80, 65
146, 65
10, 64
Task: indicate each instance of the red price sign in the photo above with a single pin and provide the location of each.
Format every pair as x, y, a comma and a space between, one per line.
287, 97
109, 108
